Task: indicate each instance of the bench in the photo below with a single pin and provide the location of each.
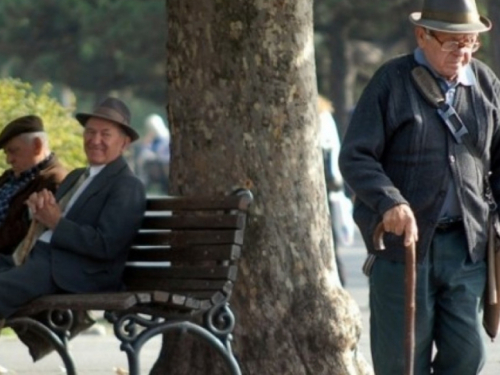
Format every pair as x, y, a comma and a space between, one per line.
182, 266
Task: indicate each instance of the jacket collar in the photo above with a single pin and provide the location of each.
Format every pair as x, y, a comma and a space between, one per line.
465, 76
97, 183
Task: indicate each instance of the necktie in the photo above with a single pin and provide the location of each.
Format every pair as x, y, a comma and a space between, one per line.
36, 228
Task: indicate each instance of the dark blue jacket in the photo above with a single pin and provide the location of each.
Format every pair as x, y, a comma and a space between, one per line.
89, 246
397, 150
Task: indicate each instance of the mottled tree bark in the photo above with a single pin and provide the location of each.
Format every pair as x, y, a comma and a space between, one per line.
242, 108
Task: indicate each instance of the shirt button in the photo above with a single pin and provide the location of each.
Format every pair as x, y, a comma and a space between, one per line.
452, 159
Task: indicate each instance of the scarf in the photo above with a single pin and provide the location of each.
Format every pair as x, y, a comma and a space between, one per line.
15, 184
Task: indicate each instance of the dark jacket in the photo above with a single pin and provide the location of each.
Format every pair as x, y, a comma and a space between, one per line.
16, 223
397, 150
90, 244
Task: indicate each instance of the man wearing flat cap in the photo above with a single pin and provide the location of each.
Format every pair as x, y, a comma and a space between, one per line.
33, 168
421, 166
89, 224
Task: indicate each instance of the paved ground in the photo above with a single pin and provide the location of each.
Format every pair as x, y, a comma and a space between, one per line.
92, 354
100, 355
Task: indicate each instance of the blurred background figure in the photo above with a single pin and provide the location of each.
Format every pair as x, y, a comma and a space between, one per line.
339, 205
153, 155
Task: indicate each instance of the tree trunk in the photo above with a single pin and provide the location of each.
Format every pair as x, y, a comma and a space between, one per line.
242, 110
343, 72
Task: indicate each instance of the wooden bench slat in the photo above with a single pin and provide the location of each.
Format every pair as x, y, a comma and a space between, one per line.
192, 303
193, 253
198, 203
194, 222
160, 296
142, 283
218, 298
199, 294
138, 283
184, 272
189, 237
178, 299
172, 310
94, 301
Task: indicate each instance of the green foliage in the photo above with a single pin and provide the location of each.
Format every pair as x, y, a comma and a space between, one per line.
18, 99
96, 46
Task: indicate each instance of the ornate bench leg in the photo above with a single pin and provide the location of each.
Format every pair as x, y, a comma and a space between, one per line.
56, 335
220, 322
125, 328
126, 331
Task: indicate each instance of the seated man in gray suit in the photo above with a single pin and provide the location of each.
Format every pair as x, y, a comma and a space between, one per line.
88, 226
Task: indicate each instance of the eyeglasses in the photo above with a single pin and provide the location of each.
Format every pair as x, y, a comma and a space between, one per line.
453, 45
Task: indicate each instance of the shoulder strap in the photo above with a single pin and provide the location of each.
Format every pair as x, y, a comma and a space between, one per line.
428, 87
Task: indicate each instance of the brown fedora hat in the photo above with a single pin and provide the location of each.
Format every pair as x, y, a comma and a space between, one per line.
451, 16
21, 125
111, 109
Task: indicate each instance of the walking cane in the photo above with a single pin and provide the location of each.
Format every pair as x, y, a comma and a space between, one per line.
410, 292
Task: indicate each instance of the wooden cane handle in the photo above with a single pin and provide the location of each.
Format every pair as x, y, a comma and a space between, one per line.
378, 237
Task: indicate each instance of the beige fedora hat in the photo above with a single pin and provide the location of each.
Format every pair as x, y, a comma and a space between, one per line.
451, 16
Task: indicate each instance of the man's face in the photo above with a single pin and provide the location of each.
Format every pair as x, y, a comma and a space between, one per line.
103, 140
447, 63
21, 153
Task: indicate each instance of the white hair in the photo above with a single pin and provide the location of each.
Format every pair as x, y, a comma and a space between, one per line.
42, 136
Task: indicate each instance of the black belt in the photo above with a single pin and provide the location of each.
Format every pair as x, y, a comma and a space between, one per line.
449, 223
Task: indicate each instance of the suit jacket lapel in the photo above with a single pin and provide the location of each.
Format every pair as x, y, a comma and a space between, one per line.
98, 183
68, 183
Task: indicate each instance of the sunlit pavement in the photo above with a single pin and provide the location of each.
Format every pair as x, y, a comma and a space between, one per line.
92, 354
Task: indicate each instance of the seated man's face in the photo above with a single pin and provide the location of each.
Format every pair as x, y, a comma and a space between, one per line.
103, 141
20, 154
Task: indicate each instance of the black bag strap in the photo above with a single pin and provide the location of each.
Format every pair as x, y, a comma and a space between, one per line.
428, 87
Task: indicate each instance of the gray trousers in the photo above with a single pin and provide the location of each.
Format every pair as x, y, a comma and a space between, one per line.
448, 321
19, 285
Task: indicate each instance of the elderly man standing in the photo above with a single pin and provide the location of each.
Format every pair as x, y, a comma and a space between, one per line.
89, 223
426, 181
33, 168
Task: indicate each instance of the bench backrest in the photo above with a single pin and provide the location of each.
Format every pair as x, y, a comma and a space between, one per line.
187, 248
